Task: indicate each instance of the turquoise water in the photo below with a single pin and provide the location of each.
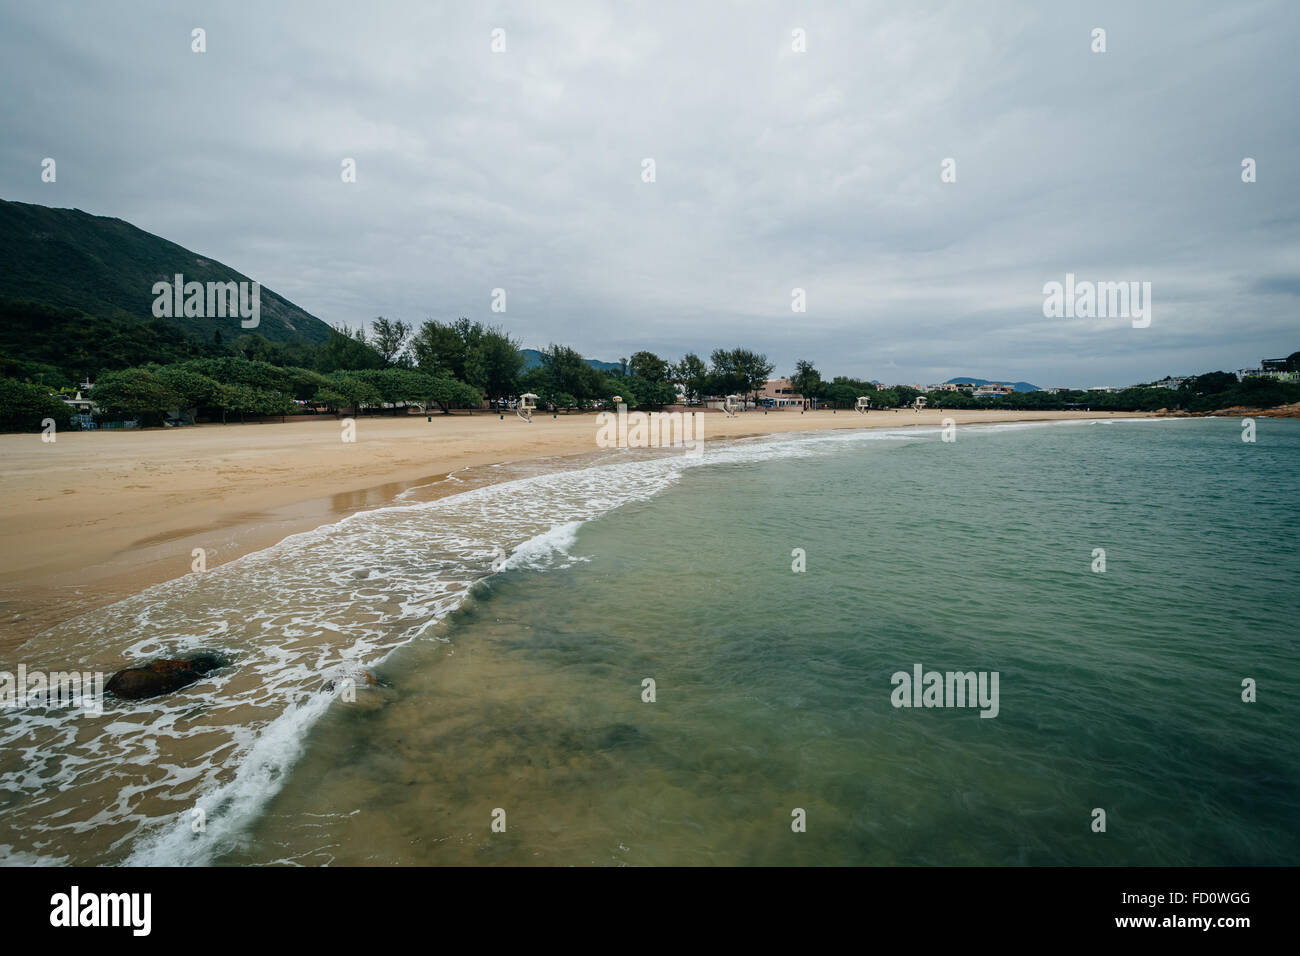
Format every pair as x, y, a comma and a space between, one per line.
1118, 690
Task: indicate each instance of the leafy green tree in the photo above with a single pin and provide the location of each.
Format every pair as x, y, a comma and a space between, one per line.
648, 366
841, 394
807, 381
1251, 392
906, 395
135, 392
256, 349
346, 350
352, 387
235, 370
389, 338
79, 345
448, 393
648, 393
304, 382
565, 370
295, 354
24, 406
330, 398
741, 371
754, 368
535, 380
235, 397
193, 389
493, 363
884, 398
36, 373
438, 347
401, 387
609, 387
1211, 383
725, 377
478, 355
693, 375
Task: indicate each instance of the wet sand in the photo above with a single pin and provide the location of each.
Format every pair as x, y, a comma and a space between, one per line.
95, 516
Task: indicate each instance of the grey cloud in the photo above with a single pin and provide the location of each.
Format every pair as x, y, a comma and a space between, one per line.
774, 169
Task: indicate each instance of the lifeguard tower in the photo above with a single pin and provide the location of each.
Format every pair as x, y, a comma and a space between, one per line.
731, 405
527, 405
863, 405
919, 404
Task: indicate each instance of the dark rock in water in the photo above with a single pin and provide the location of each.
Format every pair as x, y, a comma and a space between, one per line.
163, 677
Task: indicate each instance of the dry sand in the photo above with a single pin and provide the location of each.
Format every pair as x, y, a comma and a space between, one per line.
95, 516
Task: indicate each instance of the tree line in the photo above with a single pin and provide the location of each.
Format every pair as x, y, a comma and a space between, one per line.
147, 369
1200, 393
393, 365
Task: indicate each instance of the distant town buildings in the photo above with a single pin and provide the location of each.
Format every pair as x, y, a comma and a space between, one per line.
1269, 368
992, 390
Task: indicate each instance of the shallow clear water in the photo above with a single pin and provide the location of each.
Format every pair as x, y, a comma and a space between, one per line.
521, 690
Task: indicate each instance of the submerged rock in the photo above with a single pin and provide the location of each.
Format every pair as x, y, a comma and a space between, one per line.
163, 676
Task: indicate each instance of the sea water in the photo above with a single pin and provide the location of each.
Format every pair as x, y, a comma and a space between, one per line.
668, 660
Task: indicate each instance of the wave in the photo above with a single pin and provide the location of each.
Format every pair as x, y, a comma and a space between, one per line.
299, 619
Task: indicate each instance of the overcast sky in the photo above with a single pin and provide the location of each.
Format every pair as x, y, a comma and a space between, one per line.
774, 169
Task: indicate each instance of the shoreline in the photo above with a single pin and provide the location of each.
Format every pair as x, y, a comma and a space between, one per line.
98, 516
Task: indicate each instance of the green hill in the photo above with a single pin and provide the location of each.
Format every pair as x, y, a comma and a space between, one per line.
533, 358
69, 259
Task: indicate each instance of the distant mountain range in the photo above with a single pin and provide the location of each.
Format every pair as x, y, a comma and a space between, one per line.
1018, 386
533, 358
106, 267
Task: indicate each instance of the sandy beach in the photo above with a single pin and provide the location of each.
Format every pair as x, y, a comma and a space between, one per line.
96, 516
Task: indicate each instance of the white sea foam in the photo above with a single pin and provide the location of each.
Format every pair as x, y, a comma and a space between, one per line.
541, 551
294, 618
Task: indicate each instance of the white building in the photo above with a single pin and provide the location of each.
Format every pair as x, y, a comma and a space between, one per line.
1269, 368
